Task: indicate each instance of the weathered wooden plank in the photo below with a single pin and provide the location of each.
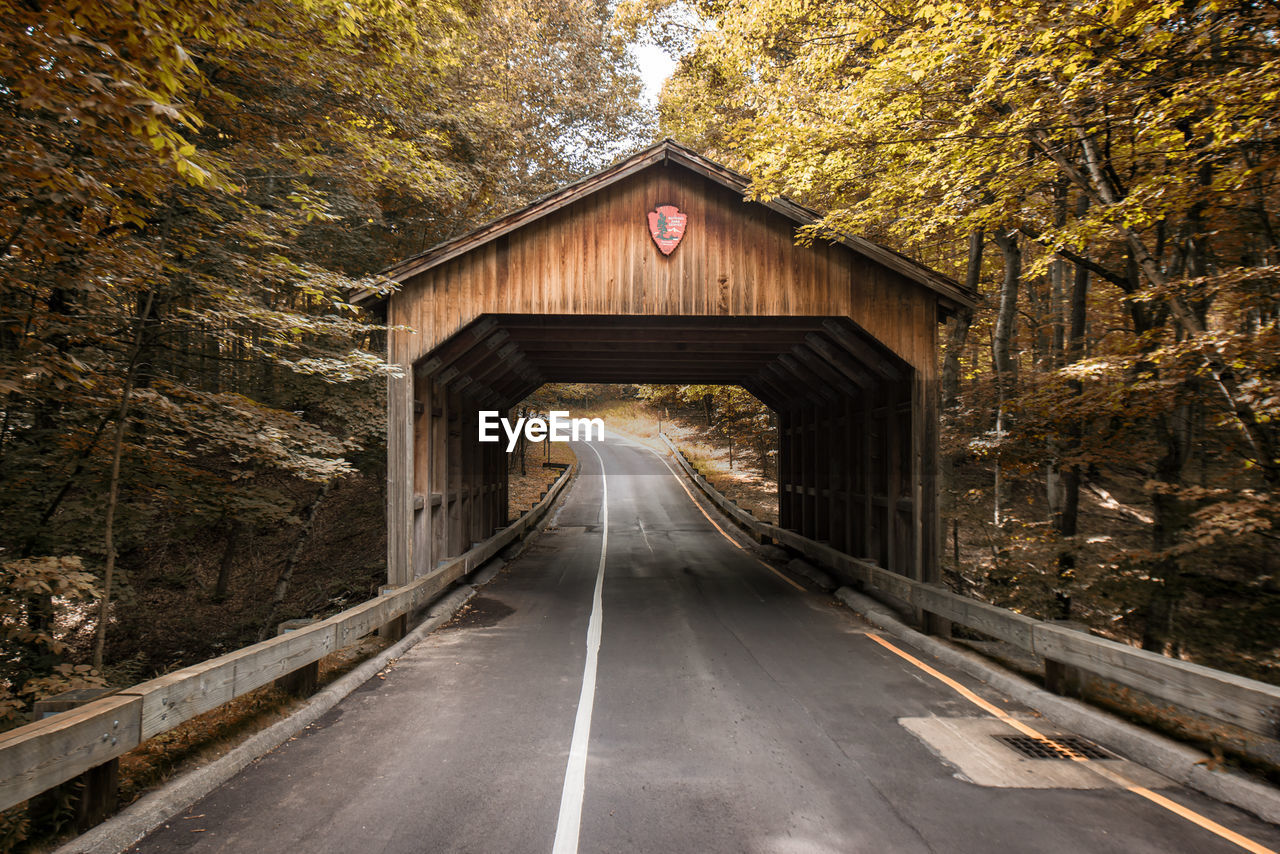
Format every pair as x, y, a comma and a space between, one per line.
988, 619
354, 623
1250, 705
552, 265
175, 697
56, 749
178, 696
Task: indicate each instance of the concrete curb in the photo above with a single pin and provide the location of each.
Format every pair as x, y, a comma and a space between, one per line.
149, 812
1176, 761
811, 572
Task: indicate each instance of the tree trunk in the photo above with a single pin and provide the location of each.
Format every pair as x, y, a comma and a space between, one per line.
228, 559
958, 328
957, 334
113, 493
290, 564
1003, 363
1007, 315
1067, 518
1171, 516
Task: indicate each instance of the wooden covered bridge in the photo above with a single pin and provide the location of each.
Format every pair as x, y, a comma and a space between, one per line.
657, 271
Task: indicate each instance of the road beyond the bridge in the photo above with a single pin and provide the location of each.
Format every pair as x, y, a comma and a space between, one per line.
725, 711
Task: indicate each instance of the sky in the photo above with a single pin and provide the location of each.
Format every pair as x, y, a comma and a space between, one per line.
655, 66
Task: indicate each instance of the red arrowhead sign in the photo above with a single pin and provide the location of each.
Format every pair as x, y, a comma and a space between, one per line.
666, 224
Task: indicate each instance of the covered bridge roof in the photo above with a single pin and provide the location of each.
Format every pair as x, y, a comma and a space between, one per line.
952, 296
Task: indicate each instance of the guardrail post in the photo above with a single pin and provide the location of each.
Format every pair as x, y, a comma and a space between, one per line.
91, 796
935, 624
399, 626
1061, 678
303, 681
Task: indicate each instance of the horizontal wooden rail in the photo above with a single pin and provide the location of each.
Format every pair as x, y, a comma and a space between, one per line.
45, 753
1245, 703
733, 511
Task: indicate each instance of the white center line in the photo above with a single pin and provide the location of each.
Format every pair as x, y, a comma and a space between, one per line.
575, 774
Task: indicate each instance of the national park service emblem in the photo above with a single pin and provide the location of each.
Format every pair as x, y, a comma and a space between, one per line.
666, 224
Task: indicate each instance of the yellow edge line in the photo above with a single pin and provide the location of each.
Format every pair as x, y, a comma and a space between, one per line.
703, 511
1159, 800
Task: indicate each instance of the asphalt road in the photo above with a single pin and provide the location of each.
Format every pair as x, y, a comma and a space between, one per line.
731, 712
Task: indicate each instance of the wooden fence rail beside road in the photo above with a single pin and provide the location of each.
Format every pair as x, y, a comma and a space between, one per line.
48, 752
1247, 704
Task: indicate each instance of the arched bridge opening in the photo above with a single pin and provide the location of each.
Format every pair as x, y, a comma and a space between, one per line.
852, 418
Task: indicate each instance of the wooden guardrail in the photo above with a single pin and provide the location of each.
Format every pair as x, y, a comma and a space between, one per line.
48, 752
1245, 703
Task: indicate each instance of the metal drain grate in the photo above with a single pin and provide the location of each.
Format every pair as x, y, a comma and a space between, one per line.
1056, 747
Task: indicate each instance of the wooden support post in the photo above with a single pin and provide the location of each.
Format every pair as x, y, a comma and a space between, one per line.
86, 799
504, 475
423, 465
396, 629
925, 523
897, 455
467, 473
1063, 679
478, 498
99, 794
399, 626
485, 522
837, 448
930, 482
480, 501
798, 464
786, 458
814, 486
822, 475
870, 546
804, 438
893, 471
935, 625
849, 437
798, 436
496, 518
400, 478
1066, 679
439, 498
303, 681
456, 546
916, 482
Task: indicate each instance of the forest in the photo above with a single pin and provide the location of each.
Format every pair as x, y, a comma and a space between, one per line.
194, 192
1105, 175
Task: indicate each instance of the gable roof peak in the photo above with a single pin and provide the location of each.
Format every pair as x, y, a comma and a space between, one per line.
954, 296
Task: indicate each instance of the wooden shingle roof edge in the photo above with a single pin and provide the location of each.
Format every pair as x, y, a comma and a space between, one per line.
954, 296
